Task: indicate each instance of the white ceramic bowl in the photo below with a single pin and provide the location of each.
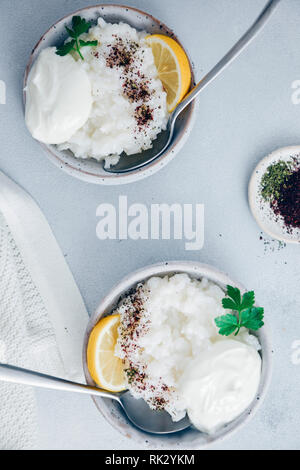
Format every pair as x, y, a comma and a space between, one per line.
190, 438
263, 214
89, 169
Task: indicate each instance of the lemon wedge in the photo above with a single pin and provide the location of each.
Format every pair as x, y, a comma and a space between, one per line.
105, 368
173, 67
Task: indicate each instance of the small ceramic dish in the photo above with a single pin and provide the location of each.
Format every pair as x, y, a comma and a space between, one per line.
269, 222
189, 438
91, 170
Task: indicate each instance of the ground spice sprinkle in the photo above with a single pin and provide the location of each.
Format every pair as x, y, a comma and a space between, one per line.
122, 55
280, 187
132, 326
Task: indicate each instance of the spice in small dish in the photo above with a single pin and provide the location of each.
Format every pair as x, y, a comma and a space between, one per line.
280, 188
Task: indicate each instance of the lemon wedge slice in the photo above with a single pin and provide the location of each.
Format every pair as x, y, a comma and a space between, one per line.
105, 368
173, 67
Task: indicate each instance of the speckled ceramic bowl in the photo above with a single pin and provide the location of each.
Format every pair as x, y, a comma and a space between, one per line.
90, 170
190, 438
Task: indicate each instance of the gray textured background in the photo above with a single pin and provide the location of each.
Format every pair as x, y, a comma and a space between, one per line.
243, 116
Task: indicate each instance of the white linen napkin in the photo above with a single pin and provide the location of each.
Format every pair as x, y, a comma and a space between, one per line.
42, 314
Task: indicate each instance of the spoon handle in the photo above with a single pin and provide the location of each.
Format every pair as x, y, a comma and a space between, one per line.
230, 56
14, 374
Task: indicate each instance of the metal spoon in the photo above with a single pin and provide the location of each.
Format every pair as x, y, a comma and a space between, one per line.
129, 163
137, 411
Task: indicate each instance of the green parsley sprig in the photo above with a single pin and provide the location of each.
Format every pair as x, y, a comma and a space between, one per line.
246, 315
79, 26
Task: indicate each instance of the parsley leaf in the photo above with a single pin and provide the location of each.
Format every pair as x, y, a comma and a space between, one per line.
235, 294
80, 26
227, 324
246, 315
252, 318
248, 300
65, 48
229, 304
71, 33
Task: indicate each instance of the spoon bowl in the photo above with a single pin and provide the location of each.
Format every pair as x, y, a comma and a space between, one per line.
128, 163
151, 421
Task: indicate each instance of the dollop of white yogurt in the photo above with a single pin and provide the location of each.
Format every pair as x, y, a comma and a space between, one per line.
58, 97
220, 384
